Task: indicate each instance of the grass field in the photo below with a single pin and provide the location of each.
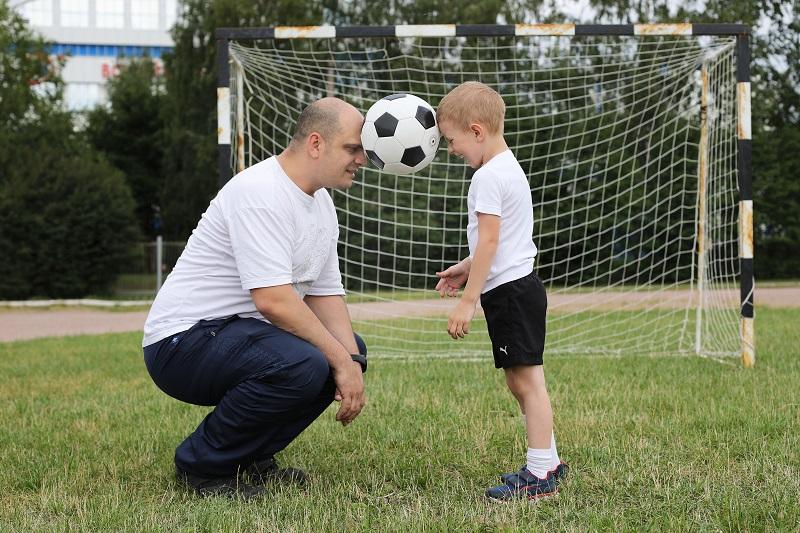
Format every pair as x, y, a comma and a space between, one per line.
655, 443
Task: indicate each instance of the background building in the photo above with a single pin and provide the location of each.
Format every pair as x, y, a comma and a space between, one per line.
96, 34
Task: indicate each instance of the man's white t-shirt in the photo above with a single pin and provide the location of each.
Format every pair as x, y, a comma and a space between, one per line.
261, 230
501, 188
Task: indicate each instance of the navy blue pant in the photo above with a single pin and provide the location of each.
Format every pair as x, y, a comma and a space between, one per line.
267, 385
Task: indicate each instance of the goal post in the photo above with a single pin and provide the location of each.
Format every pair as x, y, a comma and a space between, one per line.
636, 140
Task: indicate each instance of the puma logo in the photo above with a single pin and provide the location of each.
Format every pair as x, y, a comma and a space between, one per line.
504, 349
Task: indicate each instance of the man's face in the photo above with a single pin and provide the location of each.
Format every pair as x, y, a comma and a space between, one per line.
462, 144
344, 154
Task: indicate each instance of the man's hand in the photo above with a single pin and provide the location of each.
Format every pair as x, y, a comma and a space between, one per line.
453, 278
460, 318
349, 391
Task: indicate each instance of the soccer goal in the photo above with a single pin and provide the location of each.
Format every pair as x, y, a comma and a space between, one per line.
635, 139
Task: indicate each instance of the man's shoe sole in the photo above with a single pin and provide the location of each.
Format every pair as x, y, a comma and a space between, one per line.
231, 488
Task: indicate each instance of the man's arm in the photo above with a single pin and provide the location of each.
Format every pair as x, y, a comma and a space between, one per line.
332, 312
283, 308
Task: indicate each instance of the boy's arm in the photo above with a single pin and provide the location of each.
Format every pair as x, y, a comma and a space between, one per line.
453, 278
488, 237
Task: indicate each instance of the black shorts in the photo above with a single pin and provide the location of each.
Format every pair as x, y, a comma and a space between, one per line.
515, 315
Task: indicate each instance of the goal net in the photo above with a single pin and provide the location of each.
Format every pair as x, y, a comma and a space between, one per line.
630, 147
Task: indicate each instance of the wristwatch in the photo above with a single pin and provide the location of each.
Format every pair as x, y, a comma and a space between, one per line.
361, 360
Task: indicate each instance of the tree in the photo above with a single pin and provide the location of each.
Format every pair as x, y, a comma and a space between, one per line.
66, 216
67, 219
190, 159
130, 130
191, 154
29, 84
776, 142
775, 82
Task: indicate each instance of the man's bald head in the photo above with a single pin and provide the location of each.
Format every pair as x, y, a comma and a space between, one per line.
322, 116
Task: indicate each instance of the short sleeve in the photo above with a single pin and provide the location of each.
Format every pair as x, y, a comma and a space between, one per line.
329, 282
262, 247
488, 193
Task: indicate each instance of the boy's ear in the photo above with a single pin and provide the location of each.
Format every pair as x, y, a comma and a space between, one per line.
477, 131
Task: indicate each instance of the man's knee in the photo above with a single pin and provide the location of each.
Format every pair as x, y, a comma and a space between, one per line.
309, 374
362, 346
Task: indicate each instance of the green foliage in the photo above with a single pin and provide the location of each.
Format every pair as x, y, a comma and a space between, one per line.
29, 84
65, 215
191, 154
191, 162
129, 132
67, 220
776, 143
585, 161
775, 80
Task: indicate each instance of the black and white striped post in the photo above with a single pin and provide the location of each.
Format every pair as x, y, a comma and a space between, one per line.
744, 156
223, 112
745, 166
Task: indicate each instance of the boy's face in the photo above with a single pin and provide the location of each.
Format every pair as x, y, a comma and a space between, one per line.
465, 144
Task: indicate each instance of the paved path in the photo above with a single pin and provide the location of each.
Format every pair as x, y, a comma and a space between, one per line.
19, 324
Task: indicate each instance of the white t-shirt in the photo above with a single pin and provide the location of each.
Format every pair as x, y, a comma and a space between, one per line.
501, 188
261, 230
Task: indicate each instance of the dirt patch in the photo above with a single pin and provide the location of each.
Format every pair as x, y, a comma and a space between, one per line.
33, 323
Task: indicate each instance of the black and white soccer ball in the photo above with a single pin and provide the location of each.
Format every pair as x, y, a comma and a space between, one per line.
400, 134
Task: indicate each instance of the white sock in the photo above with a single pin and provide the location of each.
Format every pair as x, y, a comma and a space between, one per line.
539, 461
554, 460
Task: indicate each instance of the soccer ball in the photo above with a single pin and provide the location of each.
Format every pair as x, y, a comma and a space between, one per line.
400, 134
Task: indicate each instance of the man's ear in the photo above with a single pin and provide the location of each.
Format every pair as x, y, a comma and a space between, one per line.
477, 131
314, 144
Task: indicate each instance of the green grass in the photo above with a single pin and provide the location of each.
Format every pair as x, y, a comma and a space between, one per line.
651, 331
655, 443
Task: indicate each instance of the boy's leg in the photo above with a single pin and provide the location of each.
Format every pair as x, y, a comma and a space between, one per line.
516, 319
516, 378
528, 383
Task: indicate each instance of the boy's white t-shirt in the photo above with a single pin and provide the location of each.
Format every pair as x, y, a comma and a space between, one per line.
501, 188
261, 230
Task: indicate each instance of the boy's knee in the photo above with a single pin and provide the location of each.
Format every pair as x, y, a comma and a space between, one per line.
525, 379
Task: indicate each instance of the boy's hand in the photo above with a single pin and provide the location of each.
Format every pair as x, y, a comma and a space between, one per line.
453, 279
460, 318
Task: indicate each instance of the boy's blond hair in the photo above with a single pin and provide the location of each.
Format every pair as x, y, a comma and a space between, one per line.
472, 102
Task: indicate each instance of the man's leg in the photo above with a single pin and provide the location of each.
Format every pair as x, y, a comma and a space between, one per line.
267, 384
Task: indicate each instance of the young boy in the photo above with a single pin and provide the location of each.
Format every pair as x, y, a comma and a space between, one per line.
499, 271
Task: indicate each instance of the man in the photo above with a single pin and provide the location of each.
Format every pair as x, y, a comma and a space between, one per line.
252, 319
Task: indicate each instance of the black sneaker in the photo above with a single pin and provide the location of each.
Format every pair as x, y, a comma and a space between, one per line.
524, 485
559, 473
267, 471
229, 487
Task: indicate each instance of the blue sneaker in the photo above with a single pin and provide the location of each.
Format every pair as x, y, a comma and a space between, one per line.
523, 484
559, 472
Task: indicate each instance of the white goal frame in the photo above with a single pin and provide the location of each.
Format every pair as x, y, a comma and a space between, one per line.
231, 145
